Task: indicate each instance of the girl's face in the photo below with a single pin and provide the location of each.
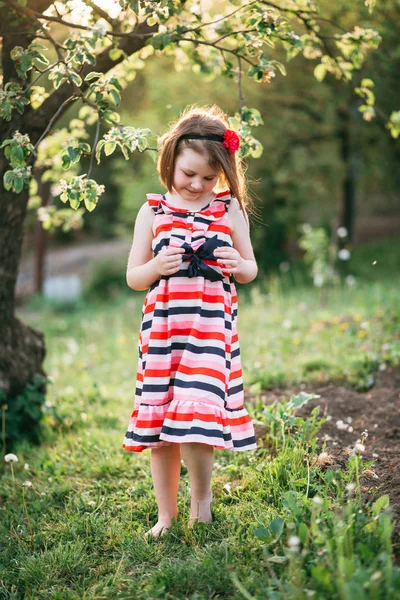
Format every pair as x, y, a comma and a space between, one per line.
193, 176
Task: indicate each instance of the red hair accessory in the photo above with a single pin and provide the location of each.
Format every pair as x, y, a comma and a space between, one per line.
231, 141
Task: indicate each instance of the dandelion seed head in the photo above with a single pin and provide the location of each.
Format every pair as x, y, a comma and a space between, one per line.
344, 254
294, 542
359, 448
11, 458
342, 232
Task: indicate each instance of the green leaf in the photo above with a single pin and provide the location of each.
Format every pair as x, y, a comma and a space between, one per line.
17, 156
92, 75
66, 162
18, 184
74, 203
279, 66
116, 97
320, 72
89, 205
77, 79
8, 179
115, 53
99, 147
302, 398
322, 575
109, 148
125, 152
262, 533
276, 526
303, 533
381, 504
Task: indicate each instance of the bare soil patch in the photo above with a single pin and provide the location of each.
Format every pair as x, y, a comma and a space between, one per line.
376, 411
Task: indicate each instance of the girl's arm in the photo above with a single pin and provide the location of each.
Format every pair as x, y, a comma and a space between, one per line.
239, 260
143, 270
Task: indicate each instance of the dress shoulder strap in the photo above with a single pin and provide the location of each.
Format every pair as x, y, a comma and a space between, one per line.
224, 198
154, 201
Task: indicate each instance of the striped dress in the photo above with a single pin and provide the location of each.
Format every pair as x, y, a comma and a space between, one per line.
189, 385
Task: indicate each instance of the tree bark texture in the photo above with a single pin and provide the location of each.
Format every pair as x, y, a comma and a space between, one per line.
22, 349
348, 215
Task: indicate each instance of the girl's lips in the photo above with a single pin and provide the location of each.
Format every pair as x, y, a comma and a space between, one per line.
191, 192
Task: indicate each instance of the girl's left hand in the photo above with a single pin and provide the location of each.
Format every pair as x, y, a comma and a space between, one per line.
229, 259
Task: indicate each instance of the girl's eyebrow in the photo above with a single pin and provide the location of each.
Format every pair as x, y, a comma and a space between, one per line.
194, 172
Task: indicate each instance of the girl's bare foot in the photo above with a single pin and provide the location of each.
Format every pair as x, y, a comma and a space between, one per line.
200, 511
159, 529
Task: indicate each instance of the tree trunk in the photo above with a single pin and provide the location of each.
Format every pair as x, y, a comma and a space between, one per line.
22, 349
348, 215
40, 233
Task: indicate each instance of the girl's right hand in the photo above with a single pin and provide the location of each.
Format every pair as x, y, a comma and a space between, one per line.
169, 260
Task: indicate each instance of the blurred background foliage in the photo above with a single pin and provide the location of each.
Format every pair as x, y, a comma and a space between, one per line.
315, 142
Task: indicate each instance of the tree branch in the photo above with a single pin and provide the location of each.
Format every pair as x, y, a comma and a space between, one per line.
40, 117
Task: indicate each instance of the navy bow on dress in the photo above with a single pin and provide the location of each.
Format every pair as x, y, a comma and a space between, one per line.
197, 266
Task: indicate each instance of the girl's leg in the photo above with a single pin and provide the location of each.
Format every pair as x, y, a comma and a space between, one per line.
165, 470
199, 459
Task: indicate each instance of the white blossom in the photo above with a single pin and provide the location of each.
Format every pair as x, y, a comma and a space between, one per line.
11, 458
342, 232
344, 254
294, 542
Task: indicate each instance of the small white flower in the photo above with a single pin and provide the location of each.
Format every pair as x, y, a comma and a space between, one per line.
382, 367
349, 419
328, 417
376, 575
50, 479
287, 324
26, 466
83, 416
27, 484
342, 232
319, 280
227, 487
317, 500
130, 490
365, 433
350, 487
351, 281
91, 503
344, 254
294, 542
374, 455
11, 458
350, 429
359, 448
101, 28
341, 425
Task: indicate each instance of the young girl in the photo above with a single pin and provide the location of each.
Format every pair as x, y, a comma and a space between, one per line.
187, 244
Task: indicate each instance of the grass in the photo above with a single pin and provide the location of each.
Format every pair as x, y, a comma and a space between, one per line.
287, 525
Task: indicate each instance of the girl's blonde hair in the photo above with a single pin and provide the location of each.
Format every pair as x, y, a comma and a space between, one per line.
203, 121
